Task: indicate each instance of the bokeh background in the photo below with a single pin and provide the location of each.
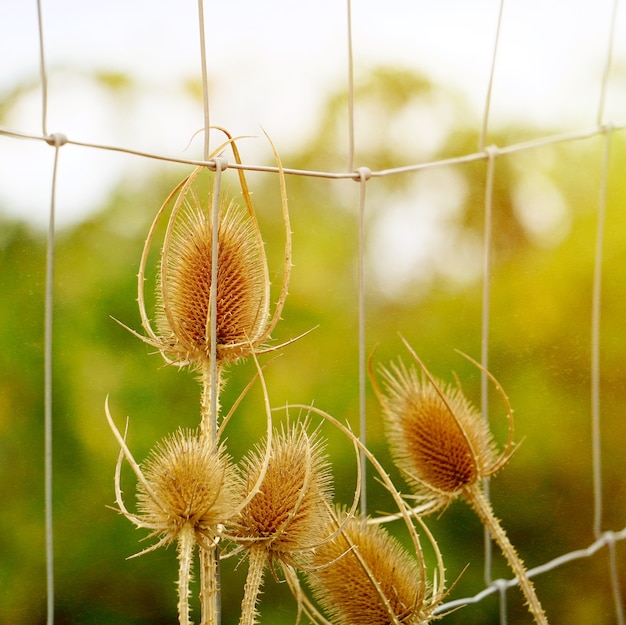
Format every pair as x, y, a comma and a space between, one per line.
128, 74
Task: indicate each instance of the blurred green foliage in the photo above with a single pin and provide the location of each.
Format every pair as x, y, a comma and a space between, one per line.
539, 337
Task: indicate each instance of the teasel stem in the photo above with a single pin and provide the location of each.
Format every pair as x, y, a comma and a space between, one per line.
214, 373
476, 497
210, 401
186, 543
254, 581
210, 597
209, 586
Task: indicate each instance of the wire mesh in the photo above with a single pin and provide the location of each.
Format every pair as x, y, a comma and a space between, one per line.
604, 129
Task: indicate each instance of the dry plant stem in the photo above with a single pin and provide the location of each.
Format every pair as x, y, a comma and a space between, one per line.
209, 558
209, 592
475, 496
210, 384
254, 581
186, 543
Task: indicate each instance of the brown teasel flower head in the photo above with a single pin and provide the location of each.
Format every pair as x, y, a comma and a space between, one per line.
183, 296
440, 442
187, 489
185, 483
285, 517
363, 576
183, 319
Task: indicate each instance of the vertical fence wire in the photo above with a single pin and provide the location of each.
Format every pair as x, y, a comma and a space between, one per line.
485, 325
486, 272
615, 585
48, 368
485, 125
43, 74
596, 418
350, 61
364, 175
604, 85
596, 309
503, 604
205, 81
48, 330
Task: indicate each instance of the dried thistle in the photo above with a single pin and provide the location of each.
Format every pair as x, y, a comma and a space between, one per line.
283, 522
183, 316
343, 526
445, 449
187, 488
243, 322
363, 576
439, 440
213, 286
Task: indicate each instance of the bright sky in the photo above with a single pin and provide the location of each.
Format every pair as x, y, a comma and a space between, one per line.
271, 64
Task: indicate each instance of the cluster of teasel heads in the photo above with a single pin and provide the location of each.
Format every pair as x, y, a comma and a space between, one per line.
275, 508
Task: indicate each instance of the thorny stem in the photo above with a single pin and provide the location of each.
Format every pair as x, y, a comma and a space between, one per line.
210, 410
254, 580
476, 498
209, 592
186, 543
209, 558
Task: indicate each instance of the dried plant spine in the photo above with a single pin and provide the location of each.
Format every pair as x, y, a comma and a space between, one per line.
283, 522
445, 450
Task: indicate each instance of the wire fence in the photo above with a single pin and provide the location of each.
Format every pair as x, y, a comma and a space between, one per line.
602, 128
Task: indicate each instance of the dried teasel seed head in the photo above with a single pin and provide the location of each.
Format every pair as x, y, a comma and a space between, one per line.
363, 576
188, 482
438, 439
183, 293
445, 448
286, 515
189, 331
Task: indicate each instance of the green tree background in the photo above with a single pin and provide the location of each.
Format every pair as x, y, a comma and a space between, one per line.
539, 337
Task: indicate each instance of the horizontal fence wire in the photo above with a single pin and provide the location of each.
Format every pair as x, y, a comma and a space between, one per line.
356, 175
607, 539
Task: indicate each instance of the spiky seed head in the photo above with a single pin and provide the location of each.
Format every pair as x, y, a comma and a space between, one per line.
183, 295
363, 576
287, 514
439, 440
189, 482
